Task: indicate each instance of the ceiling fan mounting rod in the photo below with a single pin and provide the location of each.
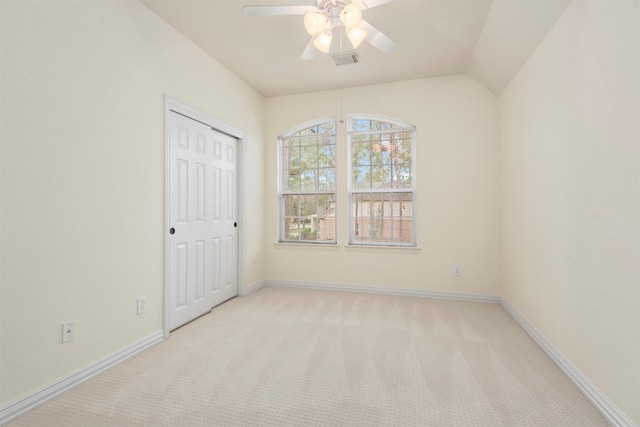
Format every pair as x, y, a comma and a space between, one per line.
328, 5
334, 16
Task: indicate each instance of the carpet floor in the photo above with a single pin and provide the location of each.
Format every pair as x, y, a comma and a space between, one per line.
299, 357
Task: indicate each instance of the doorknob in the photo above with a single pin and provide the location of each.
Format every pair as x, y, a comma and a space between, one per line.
235, 224
172, 230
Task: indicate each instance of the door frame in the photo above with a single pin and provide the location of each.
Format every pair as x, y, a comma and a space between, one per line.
171, 104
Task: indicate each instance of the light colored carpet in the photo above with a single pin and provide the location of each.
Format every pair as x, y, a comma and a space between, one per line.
301, 357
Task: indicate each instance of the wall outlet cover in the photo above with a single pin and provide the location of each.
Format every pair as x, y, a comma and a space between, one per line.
142, 305
457, 270
68, 331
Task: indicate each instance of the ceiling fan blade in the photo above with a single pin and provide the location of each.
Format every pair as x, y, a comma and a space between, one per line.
368, 4
377, 38
309, 52
277, 10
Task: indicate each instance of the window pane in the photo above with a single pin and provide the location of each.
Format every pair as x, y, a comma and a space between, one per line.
291, 157
402, 176
361, 138
381, 176
360, 227
361, 154
291, 229
291, 180
326, 155
290, 206
360, 125
326, 179
308, 216
394, 177
308, 159
381, 182
313, 130
308, 205
309, 156
308, 180
309, 140
384, 153
383, 218
327, 128
285, 180
291, 142
362, 177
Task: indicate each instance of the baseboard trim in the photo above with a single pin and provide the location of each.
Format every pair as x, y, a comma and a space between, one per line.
385, 291
21, 405
251, 289
607, 408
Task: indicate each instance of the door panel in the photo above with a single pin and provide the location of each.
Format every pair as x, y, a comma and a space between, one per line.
181, 276
202, 185
215, 260
224, 221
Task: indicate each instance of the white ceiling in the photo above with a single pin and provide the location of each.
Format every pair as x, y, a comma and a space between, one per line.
487, 39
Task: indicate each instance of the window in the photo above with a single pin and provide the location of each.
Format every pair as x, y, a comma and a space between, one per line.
381, 188
308, 183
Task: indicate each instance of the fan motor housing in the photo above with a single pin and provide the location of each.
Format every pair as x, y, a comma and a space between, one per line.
328, 4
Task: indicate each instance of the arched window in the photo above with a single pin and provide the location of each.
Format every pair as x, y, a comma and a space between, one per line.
307, 184
382, 181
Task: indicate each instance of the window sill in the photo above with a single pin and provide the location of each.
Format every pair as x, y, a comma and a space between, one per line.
307, 246
333, 247
387, 249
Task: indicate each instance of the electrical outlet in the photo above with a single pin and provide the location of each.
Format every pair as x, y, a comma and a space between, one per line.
457, 270
68, 331
142, 305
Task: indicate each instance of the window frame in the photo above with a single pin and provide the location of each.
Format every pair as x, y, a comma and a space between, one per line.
281, 184
401, 127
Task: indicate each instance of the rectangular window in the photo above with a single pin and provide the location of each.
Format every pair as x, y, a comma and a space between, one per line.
381, 188
308, 184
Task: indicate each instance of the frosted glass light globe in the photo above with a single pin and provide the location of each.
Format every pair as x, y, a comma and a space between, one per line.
314, 22
356, 36
323, 42
351, 15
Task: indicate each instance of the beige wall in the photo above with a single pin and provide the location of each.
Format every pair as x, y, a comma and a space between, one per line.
457, 209
554, 211
83, 87
571, 215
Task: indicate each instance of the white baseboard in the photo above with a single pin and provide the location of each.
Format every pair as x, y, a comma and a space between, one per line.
385, 291
251, 289
19, 406
607, 409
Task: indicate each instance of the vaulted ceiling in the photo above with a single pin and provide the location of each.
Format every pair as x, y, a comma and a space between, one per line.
487, 39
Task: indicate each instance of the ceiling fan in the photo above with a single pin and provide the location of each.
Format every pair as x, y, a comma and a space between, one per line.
321, 19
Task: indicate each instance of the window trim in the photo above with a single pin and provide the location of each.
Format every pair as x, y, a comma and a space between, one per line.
280, 184
402, 127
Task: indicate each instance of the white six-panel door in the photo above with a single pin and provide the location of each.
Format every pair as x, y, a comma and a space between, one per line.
202, 219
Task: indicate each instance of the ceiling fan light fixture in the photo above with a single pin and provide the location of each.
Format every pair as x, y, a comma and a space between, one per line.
351, 15
320, 21
314, 22
323, 41
356, 36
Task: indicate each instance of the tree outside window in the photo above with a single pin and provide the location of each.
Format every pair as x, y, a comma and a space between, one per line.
382, 181
308, 184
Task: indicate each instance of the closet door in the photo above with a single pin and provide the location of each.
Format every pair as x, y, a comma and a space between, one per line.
202, 216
